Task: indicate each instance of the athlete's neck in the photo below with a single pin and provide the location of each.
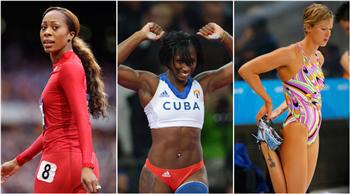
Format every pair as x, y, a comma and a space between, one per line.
55, 56
309, 46
180, 86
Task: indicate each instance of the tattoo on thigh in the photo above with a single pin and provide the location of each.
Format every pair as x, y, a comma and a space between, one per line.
272, 163
147, 181
150, 180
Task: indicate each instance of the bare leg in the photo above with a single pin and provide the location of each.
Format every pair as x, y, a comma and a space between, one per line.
200, 175
149, 183
312, 155
294, 157
275, 169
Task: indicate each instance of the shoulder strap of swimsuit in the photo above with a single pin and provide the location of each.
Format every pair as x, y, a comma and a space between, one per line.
301, 50
318, 58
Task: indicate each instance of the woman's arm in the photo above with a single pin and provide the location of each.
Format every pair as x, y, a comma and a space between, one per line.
11, 167
151, 31
279, 110
228, 42
251, 70
30, 152
128, 77
72, 80
215, 79
212, 31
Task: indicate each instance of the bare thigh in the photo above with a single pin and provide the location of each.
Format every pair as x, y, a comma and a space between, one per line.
294, 157
200, 175
312, 155
149, 183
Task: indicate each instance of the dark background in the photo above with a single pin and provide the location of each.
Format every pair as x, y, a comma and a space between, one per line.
25, 69
134, 135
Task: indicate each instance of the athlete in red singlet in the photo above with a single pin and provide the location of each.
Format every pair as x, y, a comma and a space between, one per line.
68, 162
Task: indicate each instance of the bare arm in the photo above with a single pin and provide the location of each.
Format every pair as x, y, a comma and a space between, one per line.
127, 46
212, 31
150, 31
128, 77
133, 79
251, 70
279, 110
215, 79
227, 40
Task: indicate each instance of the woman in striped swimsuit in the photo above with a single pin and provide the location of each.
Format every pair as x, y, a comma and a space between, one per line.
299, 67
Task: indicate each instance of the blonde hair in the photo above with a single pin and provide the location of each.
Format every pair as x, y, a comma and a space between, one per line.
97, 98
315, 13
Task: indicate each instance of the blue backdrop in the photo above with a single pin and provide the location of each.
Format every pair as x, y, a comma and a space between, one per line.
335, 100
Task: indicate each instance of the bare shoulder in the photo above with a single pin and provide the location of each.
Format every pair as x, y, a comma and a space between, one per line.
290, 51
289, 54
280, 57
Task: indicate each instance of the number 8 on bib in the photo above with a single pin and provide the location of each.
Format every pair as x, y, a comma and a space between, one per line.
47, 171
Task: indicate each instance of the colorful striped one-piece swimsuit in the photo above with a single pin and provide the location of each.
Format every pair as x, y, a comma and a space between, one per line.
303, 97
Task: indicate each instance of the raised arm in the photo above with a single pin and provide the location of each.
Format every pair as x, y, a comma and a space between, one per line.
251, 70
215, 79
151, 31
128, 77
212, 31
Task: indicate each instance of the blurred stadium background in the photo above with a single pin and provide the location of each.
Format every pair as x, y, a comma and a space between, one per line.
25, 69
134, 137
261, 27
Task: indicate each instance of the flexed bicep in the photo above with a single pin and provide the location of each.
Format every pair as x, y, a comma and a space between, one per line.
128, 77
215, 79
136, 79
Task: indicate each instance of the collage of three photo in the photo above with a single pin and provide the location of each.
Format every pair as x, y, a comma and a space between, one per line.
175, 97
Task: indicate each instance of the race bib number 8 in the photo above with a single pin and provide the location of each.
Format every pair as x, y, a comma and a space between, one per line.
47, 171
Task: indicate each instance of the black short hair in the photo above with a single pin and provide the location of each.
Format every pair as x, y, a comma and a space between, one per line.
179, 42
342, 12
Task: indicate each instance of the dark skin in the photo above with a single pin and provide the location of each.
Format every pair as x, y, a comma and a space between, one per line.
56, 40
173, 147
